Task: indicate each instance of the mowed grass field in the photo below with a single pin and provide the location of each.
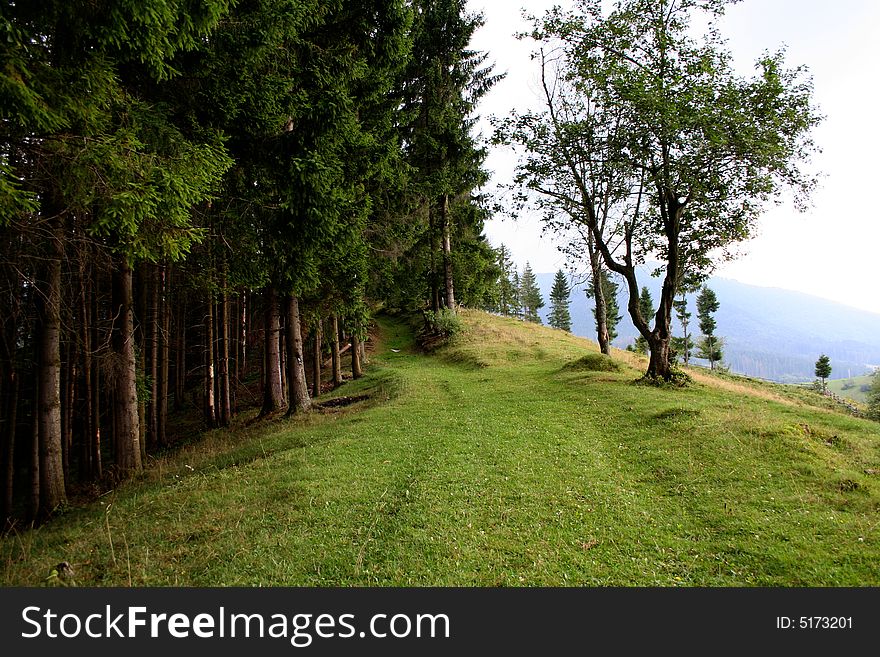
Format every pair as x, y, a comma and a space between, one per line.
854, 391
498, 460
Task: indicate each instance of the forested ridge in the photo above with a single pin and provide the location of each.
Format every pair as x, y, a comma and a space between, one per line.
202, 205
198, 195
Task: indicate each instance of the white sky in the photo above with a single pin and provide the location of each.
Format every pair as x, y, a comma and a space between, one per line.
828, 251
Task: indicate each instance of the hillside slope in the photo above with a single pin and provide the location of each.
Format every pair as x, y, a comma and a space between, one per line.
769, 332
502, 459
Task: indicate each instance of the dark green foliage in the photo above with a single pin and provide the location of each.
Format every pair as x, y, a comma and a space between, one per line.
440, 210
710, 346
823, 369
560, 317
217, 150
646, 308
652, 146
612, 307
507, 303
530, 295
684, 345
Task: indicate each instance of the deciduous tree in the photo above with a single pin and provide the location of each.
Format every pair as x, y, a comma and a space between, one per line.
653, 143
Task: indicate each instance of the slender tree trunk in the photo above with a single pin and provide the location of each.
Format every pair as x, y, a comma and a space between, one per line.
223, 348
316, 362
86, 469
152, 314
66, 431
282, 356
356, 368
11, 417
435, 288
95, 460
52, 489
127, 434
273, 398
241, 358
164, 354
599, 298
447, 252
139, 290
334, 351
210, 411
180, 359
34, 492
299, 389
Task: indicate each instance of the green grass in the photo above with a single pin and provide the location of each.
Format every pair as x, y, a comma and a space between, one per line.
492, 463
854, 391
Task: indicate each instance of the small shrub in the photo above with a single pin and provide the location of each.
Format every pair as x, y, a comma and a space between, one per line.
593, 363
444, 323
438, 328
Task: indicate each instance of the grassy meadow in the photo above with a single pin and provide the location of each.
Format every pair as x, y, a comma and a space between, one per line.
515, 456
851, 388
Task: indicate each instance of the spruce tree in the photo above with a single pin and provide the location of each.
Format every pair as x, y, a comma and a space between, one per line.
710, 346
646, 308
560, 317
612, 315
684, 345
507, 289
443, 84
530, 296
823, 369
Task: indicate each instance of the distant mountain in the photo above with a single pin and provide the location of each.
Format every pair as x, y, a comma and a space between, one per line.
768, 332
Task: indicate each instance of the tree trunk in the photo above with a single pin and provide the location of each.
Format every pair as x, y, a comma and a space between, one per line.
282, 357
334, 351
241, 357
94, 440
223, 349
299, 389
164, 355
599, 298
152, 336
447, 252
34, 492
316, 362
180, 359
11, 417
52, 490
139, 312
356, 368
658, 366
435, 288
125, 400
66, 431
210, 410
85, 463
273, 398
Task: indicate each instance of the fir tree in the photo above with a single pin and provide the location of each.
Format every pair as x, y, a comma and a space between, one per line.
612, 308
507, 288
560, 317
516, 300
646, 308
684, 345
710, 346
823, 369
530, 296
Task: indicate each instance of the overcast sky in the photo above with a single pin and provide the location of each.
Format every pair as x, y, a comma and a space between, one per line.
833, 250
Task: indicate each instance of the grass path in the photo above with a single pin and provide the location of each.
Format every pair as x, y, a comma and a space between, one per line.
492, 464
